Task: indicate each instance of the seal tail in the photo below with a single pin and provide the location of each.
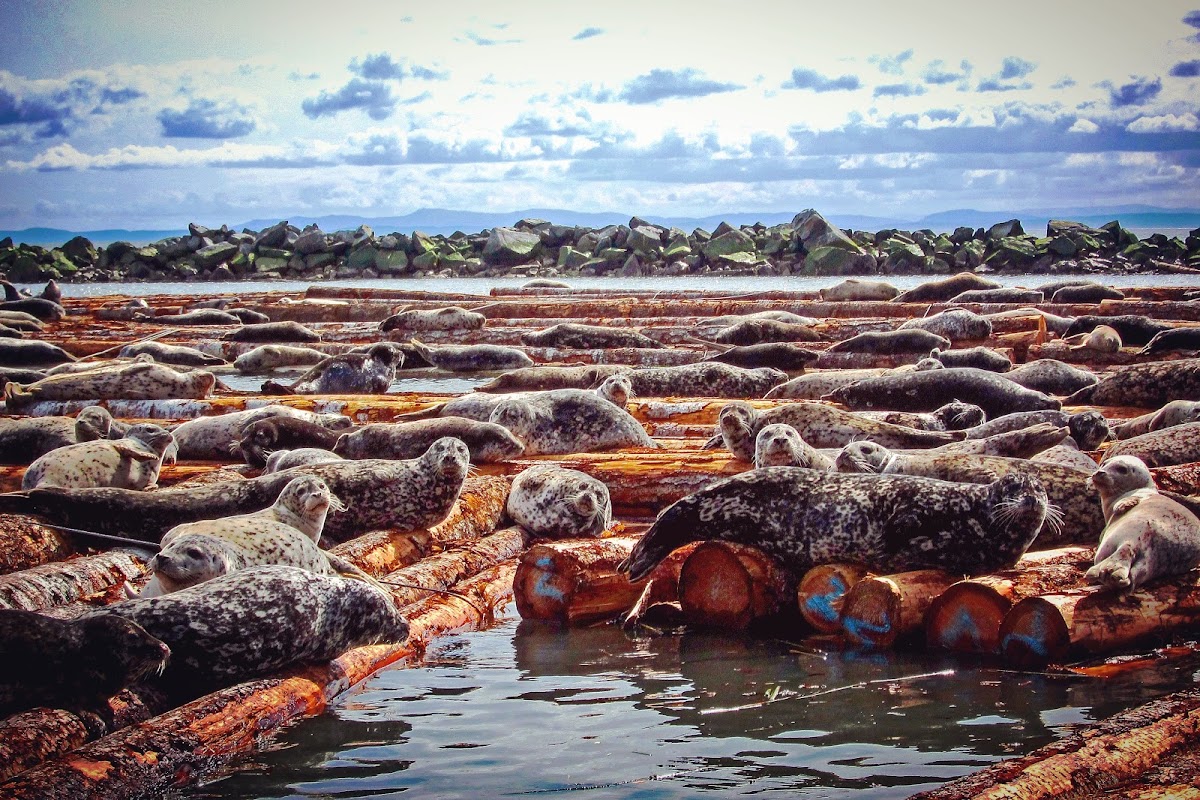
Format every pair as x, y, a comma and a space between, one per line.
15, 394
425, 413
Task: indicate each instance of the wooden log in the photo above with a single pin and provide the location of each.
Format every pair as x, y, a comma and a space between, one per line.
443, 570
50, 585
966, 617
822, 591
880, 610
25, 543
575, 581
1092, 620
729, 585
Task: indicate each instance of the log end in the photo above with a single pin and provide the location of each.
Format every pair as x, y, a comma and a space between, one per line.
966, 619
1034, 634
822, 592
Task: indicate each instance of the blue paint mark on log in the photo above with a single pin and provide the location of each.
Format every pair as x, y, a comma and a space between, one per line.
962, 626
541, 587
821, 605
862, 630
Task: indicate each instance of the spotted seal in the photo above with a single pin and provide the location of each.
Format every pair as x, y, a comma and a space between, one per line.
23, 352
371, 372
1019, 443
543, 377
1134, 330
889, 523
1089, 428
1148, 535
129, 463
378, 494
286, 331
544, 283
929, 389
1053, 322
1051, 376
210, 438
551, 501
1149, 385
756, 331
585, 337
978, 357
39, 307
1178, 444
954, 416
71, 664
1100, 339
956, 324
858, 289
1176, 412
487, 441
171, 354
1005, 294
301, 456
452, 318
472, 357
281, 432
201, 316
249, 316
780, 355
1182, 338
772, 315
23, 440
257, 620
136, 381
705, 379
890, 342
480, 405
1086, 293
815, 385
939, 291
565, 421
779, 445
273, 356
1067, 454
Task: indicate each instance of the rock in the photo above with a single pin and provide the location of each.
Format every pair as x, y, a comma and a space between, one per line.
270, 265
80, 250
570, 258
644, 239
214, 254
274, 236
426, 261
391, 262
508, 246
815, 231
362, 258
1003, 230
733, 241
310, 241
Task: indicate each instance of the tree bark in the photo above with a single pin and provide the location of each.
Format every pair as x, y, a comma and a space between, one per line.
51, 585
880, 610
575, 581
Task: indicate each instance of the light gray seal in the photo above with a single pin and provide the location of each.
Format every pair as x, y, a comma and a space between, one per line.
1176, 412
23, 440
472, 357
586, 337
286, 331
858, 289
888, 523
1150, 385
929, 389
978, 357
371, 372
1148, 535
1089, 429
201, 316
301, 456
705, 379
172, 354
136, 381
452, 318
210, 438
1100, 339
1067, 454
779, 445
956, 324
480, 405
815, 385
1178, 444
890, 342
939, 291
273, 356
1186, 337
550, 501
545, 376
257, 620
129, 463
1051, 376
487, 441
565, 421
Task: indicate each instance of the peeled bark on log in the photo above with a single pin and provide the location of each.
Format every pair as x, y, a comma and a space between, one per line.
25, 543
729, 585
1094, 620
880, 610
822, 591
966, 617
575, 581
56, 584
445, 569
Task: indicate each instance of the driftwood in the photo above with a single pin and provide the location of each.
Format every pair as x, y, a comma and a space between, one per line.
728, 585
880, 610
822, 591
25, 543
575, 581
57, 584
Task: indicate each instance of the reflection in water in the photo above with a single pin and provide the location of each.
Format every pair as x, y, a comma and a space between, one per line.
527, 709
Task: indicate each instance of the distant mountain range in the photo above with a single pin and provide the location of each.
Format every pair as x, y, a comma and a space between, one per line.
446, 221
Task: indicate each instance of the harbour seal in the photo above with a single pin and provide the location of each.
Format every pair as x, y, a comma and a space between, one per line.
1086, 293
704, 379
210, 438
480, 405
978, 357
452, 318
890, 342
129, 463
281, 432
956, 324
586, 337
889, 523
472, 357
954, 416
23, 440
1020, 443
780, 355
171, 354
773, 315
258, 620
857, 289
24, 352
551, 501
41, 308
1088, 428
1051, 376
939, 291
201, 316
1067, 454
1100, 339
1176, 412
929, 389
1134, 330
779, 445
1005, 294
1183, 338
301, 456
565, 421
1149, 385
544, 283
1178, 444
136, 381
1148, 535
371, 372
815, 385
273, 356
75, 664
543, 377
756, 331
286, 331
487, 441
249, 316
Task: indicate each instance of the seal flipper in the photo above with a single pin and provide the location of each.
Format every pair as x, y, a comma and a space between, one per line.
134, 452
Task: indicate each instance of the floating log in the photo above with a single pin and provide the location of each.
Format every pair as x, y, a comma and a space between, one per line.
822, 591
880, 610
575, 581
445, 569
966, 617
26, 543
729, 585
1094, 620
50, 585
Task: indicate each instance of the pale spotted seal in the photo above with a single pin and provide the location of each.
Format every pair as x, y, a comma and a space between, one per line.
210, 438
755, 331
774, 315
76, 664
1067, 454
890, 342
1086, 293
273, 356
858, 289
136, 381
956, 324
487, 441
1148, 535
815, 385
586, 337
1150, 385
480, 405
1178, 444
705, 379
172, 354
1089, 428
129, 463
954, 416
472, 357
1100, 339
548, 500
929, 389
287, 331
979, 357
371, 372
939, 291
780, 355
889, 523
452, 318
543, 377
565, 421
779, 445
301, 456
23, 352
281, 432
23, 440
1176, 412
1005, 294
1134, 330
1051, 376
1183, 338
257, 620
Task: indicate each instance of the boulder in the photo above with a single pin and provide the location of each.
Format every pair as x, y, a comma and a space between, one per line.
815, 231
214, 254
733, 241
508, 246
310, 241
1004, 230
80, 250
391, 262
274, 236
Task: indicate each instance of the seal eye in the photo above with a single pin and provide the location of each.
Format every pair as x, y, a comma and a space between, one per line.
194, 552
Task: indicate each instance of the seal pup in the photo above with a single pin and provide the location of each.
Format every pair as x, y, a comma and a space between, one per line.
1149, 385
487, 441
132, 462
779, 445
939, 291
955, 324
171, 354
978, 357
889, 523
371, 372
1176, 412
1134, 330
1178, 444
452, 318
858, 289
472, 357
551, 501
756, 331
23, 440
136, 381
1086, 293
286, 331
301, 456
815, 385
258, 620
704, 379
1182, 338
1148, 535
1100, 339
953, 416
542, 377
71, 663
262, 437
273, 356
929, 389
24, 352
780, 355
566, 421
1005, 294
586, 337
210, 438
1051, 376
890, 342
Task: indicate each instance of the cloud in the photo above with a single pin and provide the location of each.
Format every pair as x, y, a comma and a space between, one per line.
299, 76
55, 104
554, 123
803, 78
936, 73
1065, 82
898, 90
892, 65
1186, 69
1014, 67
64, 157
1192, 18
1166, 122
660, 84
373, 97
994, 85
587, 33
1084, 126
206, 119
381, 67
1136, 93
484, 41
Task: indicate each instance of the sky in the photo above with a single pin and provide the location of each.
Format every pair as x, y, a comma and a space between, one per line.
128, 114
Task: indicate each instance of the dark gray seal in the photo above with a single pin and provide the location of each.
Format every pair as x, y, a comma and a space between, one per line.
939, 291
1089, 429
287, 331
780, 355
249, 316
1135, 330
954, 416
41, 308
890, 342
889, 523
1176, 412
258, 620
201, 316
24, 440
978, 357
565, 421
586, 337
704, 379
929, 389
780, 445
262, 437
1020, 443
23, 352
756, 331
956, 324
210, 438
487, 441
544, 376
472, 357
1086, 293
550, 501
371, 372
1179, 444
452, 318
1183, 338
171, 354
75, 664
1005, 294
1150, 385
1051, 376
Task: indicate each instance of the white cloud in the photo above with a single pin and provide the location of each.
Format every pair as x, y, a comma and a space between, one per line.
1082, 125
1166, 122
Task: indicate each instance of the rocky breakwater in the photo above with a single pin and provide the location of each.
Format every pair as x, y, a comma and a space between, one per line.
808, 245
